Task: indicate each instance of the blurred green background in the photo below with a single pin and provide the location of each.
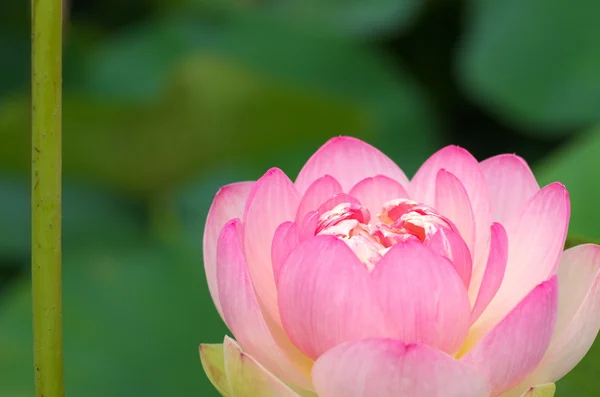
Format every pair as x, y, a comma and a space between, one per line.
166, 100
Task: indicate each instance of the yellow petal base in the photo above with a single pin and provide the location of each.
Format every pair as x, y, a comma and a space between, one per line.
546, 390
236, 374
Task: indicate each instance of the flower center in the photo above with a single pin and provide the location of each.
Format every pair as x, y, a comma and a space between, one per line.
400, 220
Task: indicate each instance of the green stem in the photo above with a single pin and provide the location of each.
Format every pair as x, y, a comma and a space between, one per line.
46, 196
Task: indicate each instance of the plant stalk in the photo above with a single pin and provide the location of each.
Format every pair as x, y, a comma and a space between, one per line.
46, 167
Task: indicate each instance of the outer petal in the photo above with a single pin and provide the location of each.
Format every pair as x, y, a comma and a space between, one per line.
494, 270
243, 314
213, 362
375, 191
578, 314
285, 241
465, 167
577, 275
349, 160
536, 237
317, 193
517, 344
511, 184
327, 297
247, 378
389, 368
273, 200
452, 201
228, 204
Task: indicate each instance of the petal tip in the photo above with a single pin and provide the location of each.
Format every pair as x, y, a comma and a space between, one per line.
225, 189
343, 138
456, 148
558, 187
274, 171
510, 156
231, 188
231, 224
549, 286
443, 173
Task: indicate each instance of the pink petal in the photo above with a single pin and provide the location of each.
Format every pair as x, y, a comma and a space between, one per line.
349, 160
579, 268
403, 282
285, 240
517, 344
452, 201
389, 368
246, 377
308, 226
578, 313
335, 200
273, 200
327, 297
511, 184
494, 270
324, 296
449, 244
317, 193
465, 167
228, 204
373, 192
242, 312
536, 237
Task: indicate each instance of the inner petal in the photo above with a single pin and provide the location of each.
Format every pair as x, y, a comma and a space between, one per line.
399, 220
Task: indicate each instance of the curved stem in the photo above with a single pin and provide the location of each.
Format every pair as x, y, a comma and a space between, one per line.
46, 196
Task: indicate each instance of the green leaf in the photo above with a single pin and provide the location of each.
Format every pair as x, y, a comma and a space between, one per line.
353, 18
241, 91
146, 150
15, 203
384, 96
134, 66
535, 63
577, 165
15, 39
247, 48
13, 73
133, 321
90, 216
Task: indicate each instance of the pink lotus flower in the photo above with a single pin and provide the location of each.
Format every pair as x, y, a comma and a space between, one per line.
353, 281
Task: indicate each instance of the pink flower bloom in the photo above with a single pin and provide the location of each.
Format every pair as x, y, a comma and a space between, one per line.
353, 281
